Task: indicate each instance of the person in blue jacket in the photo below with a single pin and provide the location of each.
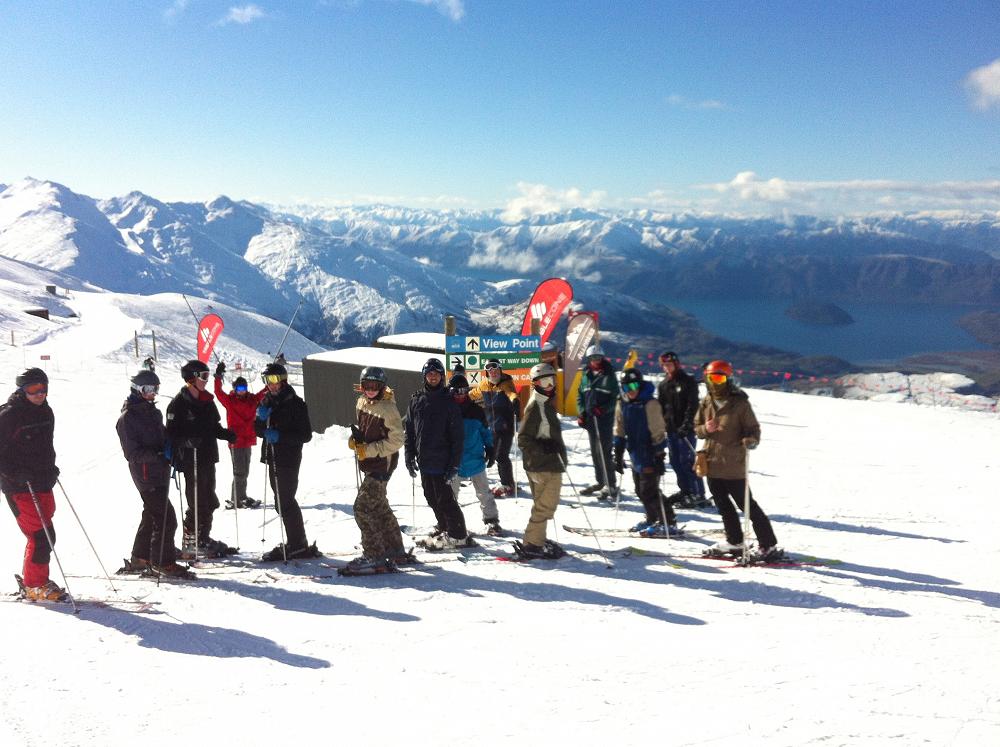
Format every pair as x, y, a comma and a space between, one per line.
433, 446
477, 453
639, 427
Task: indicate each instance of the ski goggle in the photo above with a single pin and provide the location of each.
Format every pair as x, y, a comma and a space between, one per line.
717, 378
149, 389
491, 367
545, 382
274, 378
460, 391
632, 386
240, 388
665, 357
371, 386
203, 375
33, 390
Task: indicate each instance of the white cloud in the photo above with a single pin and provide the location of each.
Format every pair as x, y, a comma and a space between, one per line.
176, 9
493, 252
453, 9
537, 199
683, 102
242, 15
984, 85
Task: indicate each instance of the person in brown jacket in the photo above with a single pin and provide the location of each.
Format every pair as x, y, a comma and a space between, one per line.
376, 439
726, 422
541, 443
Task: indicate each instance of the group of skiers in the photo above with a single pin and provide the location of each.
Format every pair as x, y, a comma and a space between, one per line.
451, 432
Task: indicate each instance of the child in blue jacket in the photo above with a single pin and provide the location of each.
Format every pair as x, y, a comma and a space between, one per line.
477, 453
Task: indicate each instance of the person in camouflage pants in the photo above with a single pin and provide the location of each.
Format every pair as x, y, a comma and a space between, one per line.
376, 439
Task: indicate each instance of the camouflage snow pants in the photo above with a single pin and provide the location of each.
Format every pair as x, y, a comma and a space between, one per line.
380, 537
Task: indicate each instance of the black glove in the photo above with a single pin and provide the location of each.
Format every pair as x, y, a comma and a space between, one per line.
191, 443
229, 435
449, 474
357, 435
220, 370
684, 431
620, 458
411, 466
659, 462
490, 457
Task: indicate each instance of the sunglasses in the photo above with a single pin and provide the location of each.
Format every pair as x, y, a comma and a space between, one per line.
460, 391
491, 367
34, 390
717, 378
273, 378
633, 386
149, 389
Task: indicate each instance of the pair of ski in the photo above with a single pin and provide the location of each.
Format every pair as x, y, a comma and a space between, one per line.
682, 533
73, 603
735, 560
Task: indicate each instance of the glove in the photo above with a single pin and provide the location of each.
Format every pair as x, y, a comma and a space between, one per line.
684, 431
659, 462
357, 435
620, 458
220, 370
168, 452
271, 435
411, 466
598, 411
449, 474
750, 443
229, 434
490, 458
582, 421
191, 443
263, 412
359, 448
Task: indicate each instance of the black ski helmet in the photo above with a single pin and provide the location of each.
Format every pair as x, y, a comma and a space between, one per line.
458, 381
145, 377
239, 381
32, 376
275, 369
372, 373
432, 364
631, 379
192, 368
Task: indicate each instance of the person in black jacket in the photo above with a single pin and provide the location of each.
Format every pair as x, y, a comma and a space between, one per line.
193, 426
678, 396
143, 438
434, 439
283, 423
28, 473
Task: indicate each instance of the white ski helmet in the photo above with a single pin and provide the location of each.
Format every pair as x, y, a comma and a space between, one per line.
594, 350
541, 369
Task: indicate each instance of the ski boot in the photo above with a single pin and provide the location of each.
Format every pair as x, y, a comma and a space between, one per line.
723, 549
493, 528
658, 530
502, 491
591, 489
50, 591
367, 567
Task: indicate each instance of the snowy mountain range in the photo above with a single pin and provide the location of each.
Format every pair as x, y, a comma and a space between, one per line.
361, 272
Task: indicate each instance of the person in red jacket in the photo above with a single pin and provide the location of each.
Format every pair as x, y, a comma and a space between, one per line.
241, 408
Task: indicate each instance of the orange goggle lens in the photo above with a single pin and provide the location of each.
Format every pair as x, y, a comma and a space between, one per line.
718, 378
34, 389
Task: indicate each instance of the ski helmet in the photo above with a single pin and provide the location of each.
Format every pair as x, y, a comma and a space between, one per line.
631, 379
540, 370
192, 368
493, 363
720, 367
594, 351
432, 364
32, 376
145, 377
548, 346
458, 381
372, 373
669, 355
239, 381
275, 369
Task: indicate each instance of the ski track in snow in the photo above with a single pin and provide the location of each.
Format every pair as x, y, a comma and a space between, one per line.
893, 642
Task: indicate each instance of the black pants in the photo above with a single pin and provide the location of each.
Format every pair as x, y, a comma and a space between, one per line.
647, 487
442, 501
207, 500
501, 443
285, 484
728, 496
155, 539
601, 433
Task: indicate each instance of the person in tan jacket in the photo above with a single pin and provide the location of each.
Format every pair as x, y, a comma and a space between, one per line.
726, 422
376, 439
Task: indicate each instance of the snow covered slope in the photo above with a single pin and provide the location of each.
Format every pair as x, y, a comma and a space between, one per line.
891, 641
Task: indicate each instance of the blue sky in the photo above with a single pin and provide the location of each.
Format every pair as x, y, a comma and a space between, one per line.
821, 107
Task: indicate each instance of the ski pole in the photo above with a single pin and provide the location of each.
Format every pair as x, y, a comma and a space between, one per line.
597, 540
163, 534
746, 505
277, 501
413, 501
82, 529
52, 544
197, 536
263, 514
287, 330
